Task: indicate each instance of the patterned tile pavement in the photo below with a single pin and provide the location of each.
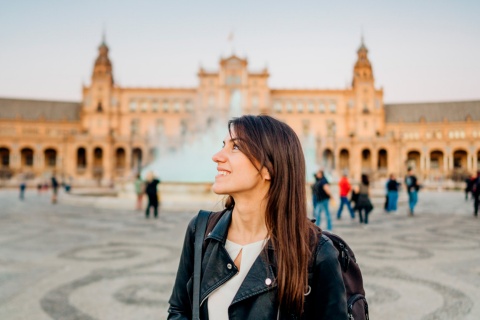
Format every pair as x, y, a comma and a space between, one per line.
76, 261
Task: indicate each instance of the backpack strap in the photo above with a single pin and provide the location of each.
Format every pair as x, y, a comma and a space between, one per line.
200, 227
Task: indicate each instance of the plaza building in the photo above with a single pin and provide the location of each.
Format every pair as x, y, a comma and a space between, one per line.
115, 131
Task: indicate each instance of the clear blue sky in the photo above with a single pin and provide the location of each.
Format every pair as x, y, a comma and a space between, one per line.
420, 50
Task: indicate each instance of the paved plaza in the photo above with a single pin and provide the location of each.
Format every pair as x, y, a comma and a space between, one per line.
76, 261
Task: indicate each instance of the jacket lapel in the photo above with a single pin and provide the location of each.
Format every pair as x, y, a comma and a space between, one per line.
260, 278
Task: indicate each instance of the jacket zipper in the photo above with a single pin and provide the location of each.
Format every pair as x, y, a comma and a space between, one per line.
217, 286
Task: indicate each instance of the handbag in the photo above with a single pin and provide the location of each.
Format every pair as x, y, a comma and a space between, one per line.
200, 228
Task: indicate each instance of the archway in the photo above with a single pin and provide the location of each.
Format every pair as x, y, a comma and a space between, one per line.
120, 159
460, 159
98, 163
344, 160
81, 158
366, 161
26, 155
50, 158
382, 162
436, 160
137, 159
328, 159
4, 157
413, 159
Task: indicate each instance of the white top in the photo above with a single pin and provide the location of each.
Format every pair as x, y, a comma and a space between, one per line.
220, 299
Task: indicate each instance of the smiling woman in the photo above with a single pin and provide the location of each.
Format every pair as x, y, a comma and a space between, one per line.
258, 251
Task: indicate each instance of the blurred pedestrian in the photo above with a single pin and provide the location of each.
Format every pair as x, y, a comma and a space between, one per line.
152, 194
54, 188
469, 181
345, 187
476, 194
412, 186
364, 205
22, 186
322, 193
392, 193
139, 190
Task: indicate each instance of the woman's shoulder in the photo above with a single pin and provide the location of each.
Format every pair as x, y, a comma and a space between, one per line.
323, 249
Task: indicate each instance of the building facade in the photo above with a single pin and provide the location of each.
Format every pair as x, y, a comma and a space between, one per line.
115, 131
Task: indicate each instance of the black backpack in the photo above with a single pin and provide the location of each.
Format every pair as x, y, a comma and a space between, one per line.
357, 305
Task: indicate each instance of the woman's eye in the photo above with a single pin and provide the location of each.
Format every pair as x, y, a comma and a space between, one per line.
235, 147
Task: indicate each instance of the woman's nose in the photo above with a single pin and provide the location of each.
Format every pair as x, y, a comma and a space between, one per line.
219, 156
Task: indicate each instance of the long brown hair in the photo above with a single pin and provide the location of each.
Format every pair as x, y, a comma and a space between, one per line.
272, 144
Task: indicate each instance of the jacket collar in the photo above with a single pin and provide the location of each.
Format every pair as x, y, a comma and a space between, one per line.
220, 231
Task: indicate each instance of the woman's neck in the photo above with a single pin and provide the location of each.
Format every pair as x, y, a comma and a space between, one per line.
248, 223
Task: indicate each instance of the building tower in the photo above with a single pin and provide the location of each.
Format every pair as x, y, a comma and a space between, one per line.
100, 115
368, 101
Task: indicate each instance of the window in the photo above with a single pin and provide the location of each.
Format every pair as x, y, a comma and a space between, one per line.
155, 106
300, 106
277, 106
165, 106
377, 104
289, 107
144, 106
321, 107
311, 107
134, 127
333, 107
133, 105
176, 106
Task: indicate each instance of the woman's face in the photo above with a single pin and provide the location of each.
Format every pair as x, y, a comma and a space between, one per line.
236, 174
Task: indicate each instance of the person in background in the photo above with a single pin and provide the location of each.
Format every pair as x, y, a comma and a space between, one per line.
22, 186
412, 186
139, 191
345, 187
469, 181
152, 194
363, 204
476, 194
392, 193
323, 194
54, 188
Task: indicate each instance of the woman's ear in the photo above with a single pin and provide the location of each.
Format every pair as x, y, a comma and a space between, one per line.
265, 174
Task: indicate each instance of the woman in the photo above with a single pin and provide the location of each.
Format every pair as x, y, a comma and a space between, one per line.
363, 203
256, 259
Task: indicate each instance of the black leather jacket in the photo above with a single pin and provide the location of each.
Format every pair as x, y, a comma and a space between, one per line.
255, 299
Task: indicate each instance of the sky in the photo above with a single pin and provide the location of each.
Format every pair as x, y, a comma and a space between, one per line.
421, 51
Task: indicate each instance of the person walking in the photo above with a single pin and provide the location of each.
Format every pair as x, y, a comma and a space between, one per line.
22, 187
322, 194
54, 188
476, 194
345, 188
139, 191
152, 194
255, 261
412, 186
364, 205
392, 193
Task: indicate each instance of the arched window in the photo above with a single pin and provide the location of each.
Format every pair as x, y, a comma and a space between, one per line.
81, 158
50, 158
